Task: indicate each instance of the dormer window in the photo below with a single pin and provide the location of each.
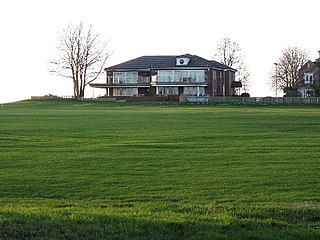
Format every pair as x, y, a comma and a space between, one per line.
308, 78
182, 61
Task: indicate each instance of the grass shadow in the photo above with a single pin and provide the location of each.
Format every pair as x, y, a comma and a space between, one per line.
18, 226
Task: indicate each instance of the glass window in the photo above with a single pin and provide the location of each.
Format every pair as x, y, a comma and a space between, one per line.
200, 76
193, 91
177, 75
165, 76
168, 91
181, 76
125, 91
125, 77
118, 77
308, 78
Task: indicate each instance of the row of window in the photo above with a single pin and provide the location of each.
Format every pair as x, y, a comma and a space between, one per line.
194, 76
191, 91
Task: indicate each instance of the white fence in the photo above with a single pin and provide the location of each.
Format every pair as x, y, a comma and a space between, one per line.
250, 100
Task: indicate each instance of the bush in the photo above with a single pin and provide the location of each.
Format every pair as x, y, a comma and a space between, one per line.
245, 95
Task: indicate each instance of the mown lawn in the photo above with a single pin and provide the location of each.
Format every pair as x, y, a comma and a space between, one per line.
93, 170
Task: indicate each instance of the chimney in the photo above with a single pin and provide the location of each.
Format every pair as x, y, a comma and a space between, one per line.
318, 59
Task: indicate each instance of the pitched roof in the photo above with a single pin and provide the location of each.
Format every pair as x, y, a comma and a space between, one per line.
317, 64
143, 62
309, 65
167, 62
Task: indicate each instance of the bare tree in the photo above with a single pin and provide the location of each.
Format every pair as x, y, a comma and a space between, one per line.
285, 73
229, 53
243, 76
81, 57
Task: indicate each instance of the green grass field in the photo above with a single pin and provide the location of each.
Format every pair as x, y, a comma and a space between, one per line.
94, 170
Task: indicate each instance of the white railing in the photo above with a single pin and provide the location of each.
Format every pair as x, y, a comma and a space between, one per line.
140, 79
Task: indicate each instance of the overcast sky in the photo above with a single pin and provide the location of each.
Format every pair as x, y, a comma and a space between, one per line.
30, 31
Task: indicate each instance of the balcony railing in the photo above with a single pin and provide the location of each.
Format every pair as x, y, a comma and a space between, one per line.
180, 80
143, 79
140, 80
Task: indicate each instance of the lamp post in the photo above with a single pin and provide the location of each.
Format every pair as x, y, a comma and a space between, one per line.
276, 64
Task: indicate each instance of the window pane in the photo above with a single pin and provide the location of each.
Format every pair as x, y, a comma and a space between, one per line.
165, 76
168, 91
118, 77
125, 91
125, 77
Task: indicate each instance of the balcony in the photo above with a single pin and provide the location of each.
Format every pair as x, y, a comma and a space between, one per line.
139, 81
143, 79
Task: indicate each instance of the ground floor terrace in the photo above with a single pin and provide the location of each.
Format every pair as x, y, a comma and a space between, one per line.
167, 89
162, 90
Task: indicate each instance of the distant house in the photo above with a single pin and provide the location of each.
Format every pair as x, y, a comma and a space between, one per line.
309, 76
308, 83
168, 76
